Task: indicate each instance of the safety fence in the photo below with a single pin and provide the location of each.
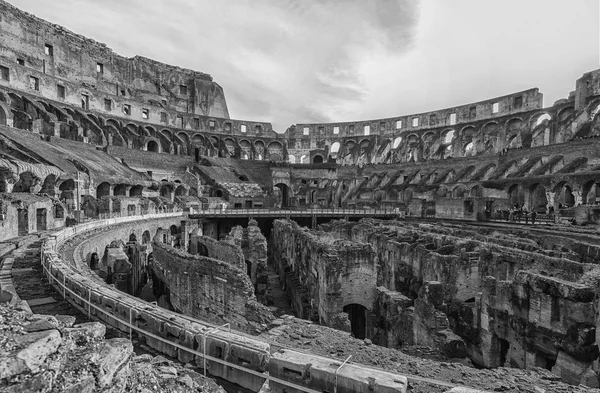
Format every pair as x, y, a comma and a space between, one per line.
236, 357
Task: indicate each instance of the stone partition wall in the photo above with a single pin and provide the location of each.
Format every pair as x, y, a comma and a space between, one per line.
208, 288
254, 246
502, 297
324, 275
216, 249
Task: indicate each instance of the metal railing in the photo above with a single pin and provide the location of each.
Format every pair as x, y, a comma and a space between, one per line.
87, 305
62, 287
296, 212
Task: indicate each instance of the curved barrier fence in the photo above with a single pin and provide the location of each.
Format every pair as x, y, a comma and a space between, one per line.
235, 357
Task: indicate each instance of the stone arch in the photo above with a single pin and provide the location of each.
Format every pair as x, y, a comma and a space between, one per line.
459, 191
102, 190
120, 190
286, 193
564, 195
275, 150
152, 145
397, 142
180, 191
259, 148
291, 159
538, 199
476, 191
3, 115
133, 128
67, 189
357, 314
166, 191
26, 183
516, 195
448, 136
146, 238
136, 191
538, 118
590, 192
317, 159
49, 185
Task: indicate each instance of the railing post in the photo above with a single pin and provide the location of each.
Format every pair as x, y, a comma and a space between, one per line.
336, 373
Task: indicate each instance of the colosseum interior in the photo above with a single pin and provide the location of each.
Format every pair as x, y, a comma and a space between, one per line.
146, 234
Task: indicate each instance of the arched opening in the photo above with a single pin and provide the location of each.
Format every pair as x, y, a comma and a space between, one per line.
2, 117
136, 191
67, 189
291, 159
515, 195
120, 190
132, 237
458, 192
193, 192
564, 194
538, 198
397, 142
146, 237
317, 159
26, 182
94, 261
102, 190
173, 230
202, 250
449, 136
166, 191
219, 194
357, 314
303, 159
48, 186
541, 119
335, 147
590, 193
249, 268
153, 147
180, 191
468, 149
285, 194
59, 211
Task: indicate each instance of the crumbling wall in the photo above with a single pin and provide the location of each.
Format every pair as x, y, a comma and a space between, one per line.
208, 288
323, 274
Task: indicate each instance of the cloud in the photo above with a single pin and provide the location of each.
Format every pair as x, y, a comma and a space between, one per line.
295, 61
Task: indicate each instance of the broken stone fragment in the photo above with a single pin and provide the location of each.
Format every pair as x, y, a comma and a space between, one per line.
5, 297
85, 385
87, 331
47, 323
36, 347
37, 383
111, 359
65, 320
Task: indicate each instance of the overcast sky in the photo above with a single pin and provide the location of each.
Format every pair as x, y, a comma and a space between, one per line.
288, 62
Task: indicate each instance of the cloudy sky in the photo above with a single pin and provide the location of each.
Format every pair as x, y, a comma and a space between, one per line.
296, 61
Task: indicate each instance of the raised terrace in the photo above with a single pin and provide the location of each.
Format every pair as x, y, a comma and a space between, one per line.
431, 252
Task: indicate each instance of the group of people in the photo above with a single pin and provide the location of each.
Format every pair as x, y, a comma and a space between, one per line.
517, 212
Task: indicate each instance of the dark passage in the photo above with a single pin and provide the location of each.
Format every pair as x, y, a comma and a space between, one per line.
358, 319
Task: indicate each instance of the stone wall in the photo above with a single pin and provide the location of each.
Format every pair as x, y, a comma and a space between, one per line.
326, 273
502, 298
208, 288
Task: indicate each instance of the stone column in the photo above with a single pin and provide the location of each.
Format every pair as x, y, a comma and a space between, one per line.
551, 198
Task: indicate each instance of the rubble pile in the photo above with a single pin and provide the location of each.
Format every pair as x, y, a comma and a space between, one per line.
42, 353
308, 337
